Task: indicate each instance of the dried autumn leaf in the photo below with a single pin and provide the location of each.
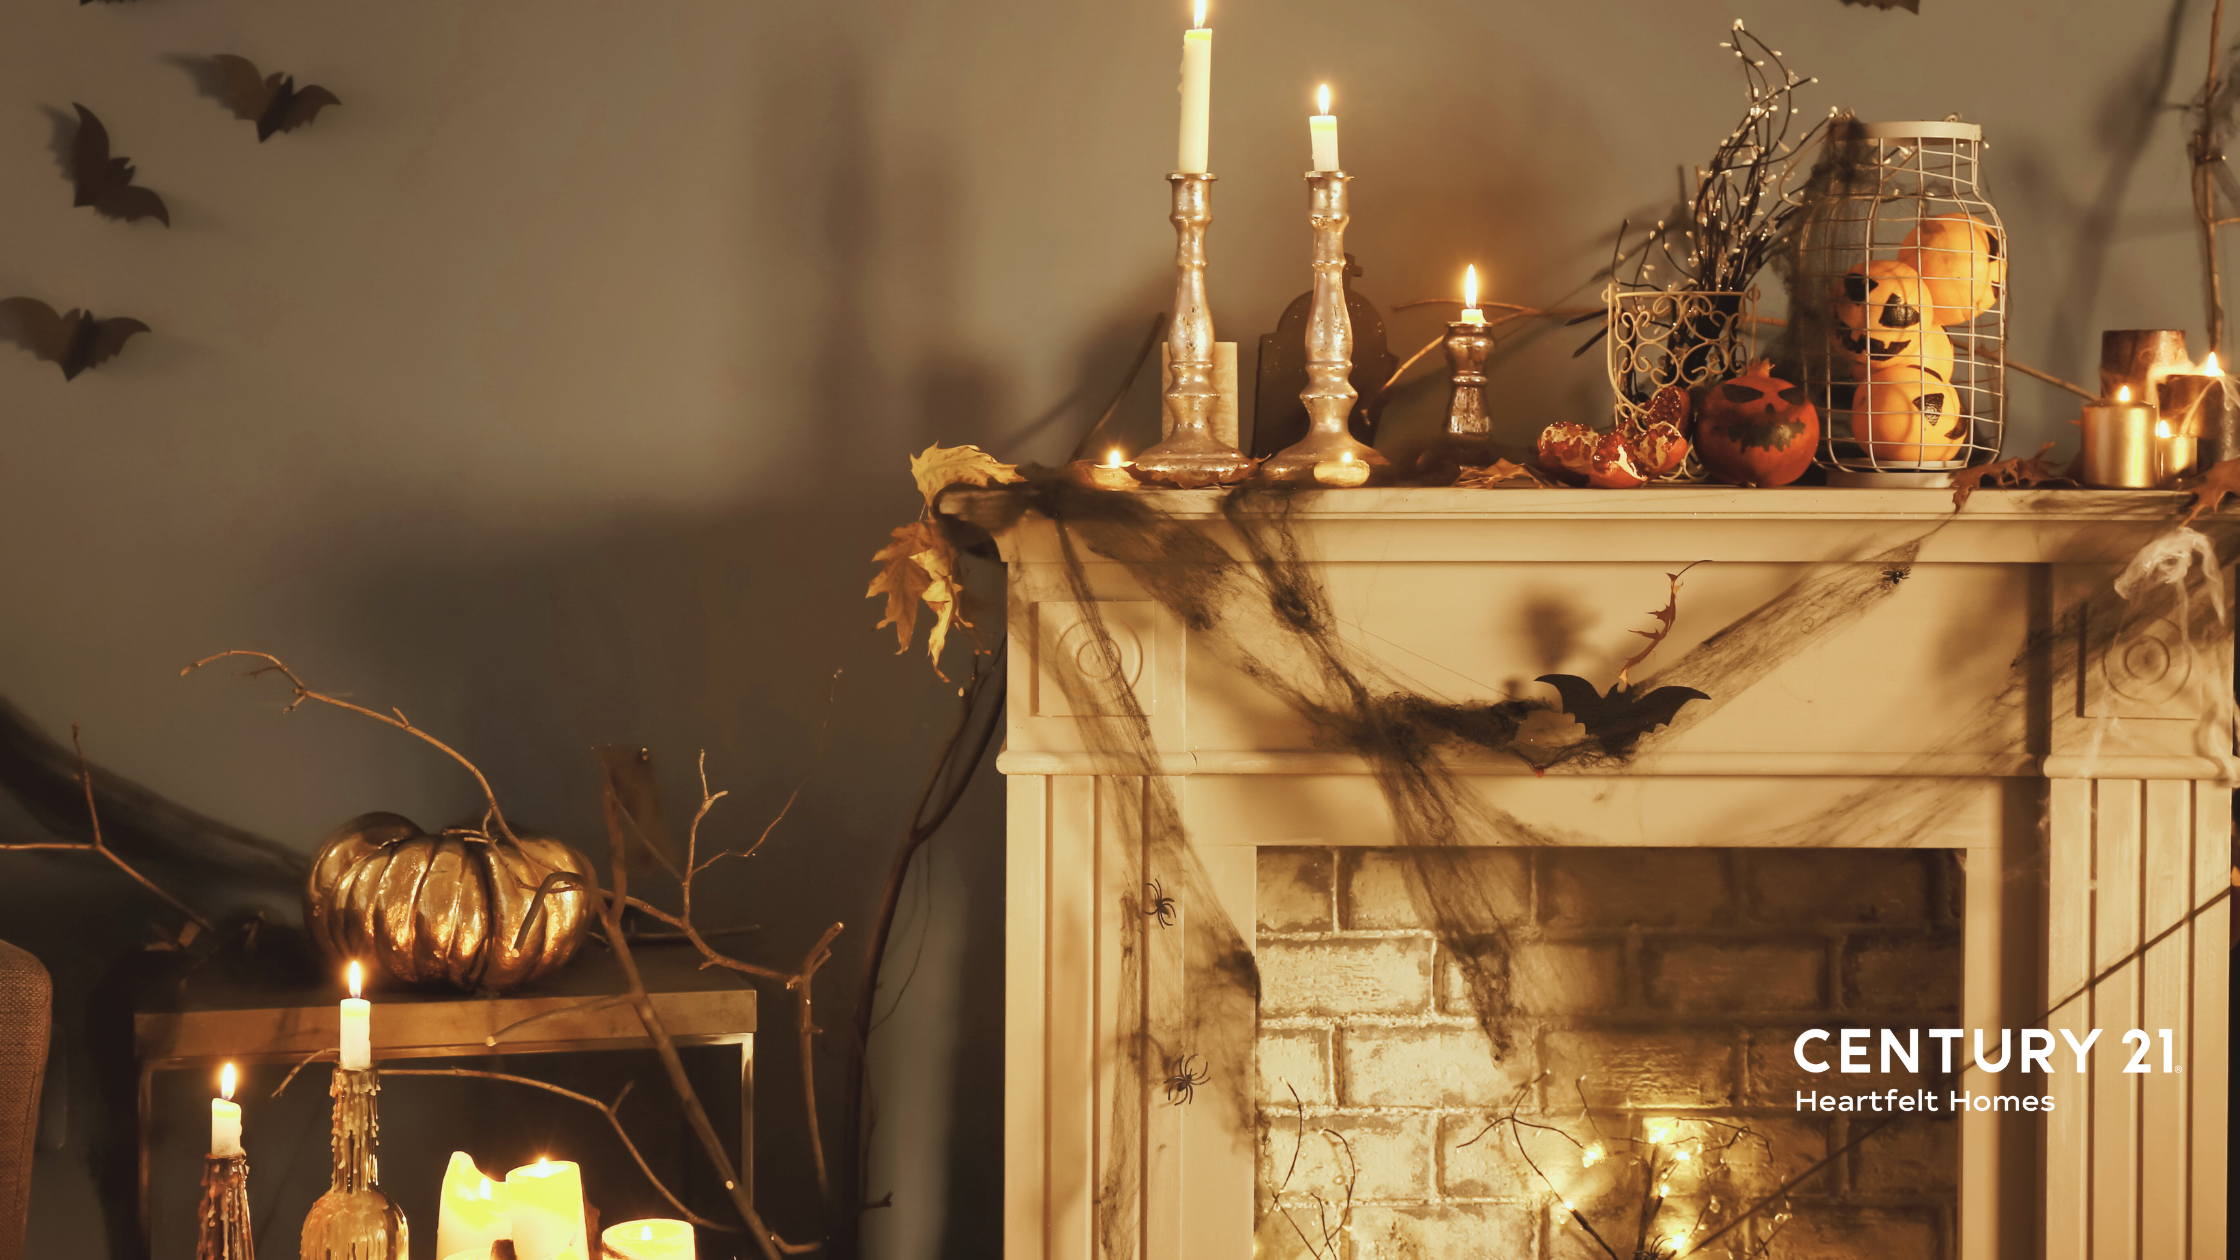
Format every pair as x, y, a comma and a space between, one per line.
1496, 473
2215, 484
903, 580
945, 598
1665, 617
2006, 474
938, 467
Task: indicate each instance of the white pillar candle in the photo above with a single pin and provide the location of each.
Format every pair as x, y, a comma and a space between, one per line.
545, 1202
1470, 312
650, 1240
225, 1117
1197, 95
1322, 131
357, 1025
472, 1211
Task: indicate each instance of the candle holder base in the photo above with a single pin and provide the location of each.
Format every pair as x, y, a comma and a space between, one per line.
1193, 458
353, 1220
1297, 462
224, 1232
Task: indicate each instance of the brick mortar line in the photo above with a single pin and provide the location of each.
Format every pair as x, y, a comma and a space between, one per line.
1879, 933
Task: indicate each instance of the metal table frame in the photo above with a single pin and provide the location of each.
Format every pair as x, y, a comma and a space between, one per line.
444, 1028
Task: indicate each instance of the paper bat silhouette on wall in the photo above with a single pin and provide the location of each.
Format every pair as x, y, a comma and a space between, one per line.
105, 182
272, 101
1619, 720
73, 342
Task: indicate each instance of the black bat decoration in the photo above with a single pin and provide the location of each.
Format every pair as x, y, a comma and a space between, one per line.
1618, 720
105, 182
73, 342
272, 101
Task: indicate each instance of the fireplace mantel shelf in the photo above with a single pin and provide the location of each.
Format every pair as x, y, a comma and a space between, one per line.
2075, 748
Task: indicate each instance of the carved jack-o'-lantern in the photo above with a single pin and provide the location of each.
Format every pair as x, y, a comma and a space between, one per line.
1962, 262
1757, 430
1908, 418
1929, 353
1880, 314
444, 908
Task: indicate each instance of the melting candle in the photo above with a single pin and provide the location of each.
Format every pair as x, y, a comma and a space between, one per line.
1322, 132
225, 1117
471, 1211
649, 1240
357, 1024
1470, 312
545, 1202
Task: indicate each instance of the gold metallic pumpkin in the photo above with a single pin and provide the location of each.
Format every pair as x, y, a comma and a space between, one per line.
444, 908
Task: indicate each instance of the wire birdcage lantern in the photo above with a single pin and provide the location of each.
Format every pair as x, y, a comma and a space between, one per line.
1899, 306
1688, 338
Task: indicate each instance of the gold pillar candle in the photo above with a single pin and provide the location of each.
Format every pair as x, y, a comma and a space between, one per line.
545, 1203
2176, 453
2120, 452
2193, 406
650, 1240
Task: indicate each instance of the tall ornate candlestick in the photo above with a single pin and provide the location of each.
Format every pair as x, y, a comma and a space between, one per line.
1192, 455
1329, 396
353, 1220
224, 1233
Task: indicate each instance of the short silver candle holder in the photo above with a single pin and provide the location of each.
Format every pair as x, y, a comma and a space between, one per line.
224, 1232
1468, 343
1191, 455
1329, 396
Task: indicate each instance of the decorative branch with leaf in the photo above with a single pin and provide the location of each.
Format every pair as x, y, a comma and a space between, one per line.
919, 565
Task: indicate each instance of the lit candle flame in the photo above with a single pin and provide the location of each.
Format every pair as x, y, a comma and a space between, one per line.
645, 1232
1322, 99
1113, 460
2123, 393
1345, 457
484, 1189
2162, 428
2209, 366
357, 977
1197, 22
225, 1082
1470, 285
544, 1165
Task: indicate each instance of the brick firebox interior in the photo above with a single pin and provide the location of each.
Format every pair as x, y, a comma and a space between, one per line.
1676, 980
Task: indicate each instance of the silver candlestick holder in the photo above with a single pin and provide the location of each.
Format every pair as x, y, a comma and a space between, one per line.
353, 1220
1191, 455
1467, 345
1329, 396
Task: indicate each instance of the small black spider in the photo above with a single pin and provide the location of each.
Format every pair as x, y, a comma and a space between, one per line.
1160, 906
1896, 574
1182, 1087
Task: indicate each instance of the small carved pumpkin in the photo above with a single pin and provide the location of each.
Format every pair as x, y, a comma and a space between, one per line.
1962, 263
1906, 418
1756, 430
1880, 315
445, 908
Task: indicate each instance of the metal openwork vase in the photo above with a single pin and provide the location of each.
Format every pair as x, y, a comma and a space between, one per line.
353, 1220
1898, 310
1691, 338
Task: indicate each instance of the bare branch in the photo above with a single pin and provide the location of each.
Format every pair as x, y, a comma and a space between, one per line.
99, 847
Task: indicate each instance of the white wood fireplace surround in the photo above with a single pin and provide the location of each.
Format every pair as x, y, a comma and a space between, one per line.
2084, 838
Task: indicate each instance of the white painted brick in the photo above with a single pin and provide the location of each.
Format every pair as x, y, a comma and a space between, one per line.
1475, 1231
1370, 976
1423, 1067
1299, 1059
1390, 1157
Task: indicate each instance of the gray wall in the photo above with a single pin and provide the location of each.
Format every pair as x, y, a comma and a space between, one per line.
556, 387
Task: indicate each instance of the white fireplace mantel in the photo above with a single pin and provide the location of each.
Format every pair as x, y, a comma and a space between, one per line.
2094, 819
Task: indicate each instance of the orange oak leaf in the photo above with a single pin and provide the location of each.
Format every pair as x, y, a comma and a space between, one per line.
2006, 474
1497, 473
903, 580
2212, 487
937, 467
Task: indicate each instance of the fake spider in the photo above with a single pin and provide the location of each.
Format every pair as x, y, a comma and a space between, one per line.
1896, 574
1182, 1087
1159, 905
